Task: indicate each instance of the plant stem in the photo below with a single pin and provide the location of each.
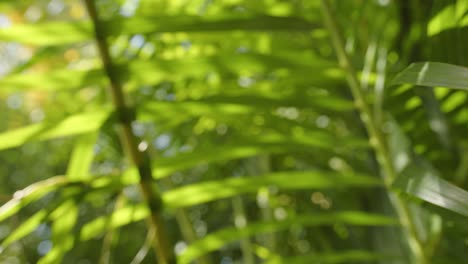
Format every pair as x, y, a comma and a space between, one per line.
111, 236
263, 166
240, 221
185, 224
376, 139
139, 158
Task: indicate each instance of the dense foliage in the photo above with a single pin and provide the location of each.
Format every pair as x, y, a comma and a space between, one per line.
233, 131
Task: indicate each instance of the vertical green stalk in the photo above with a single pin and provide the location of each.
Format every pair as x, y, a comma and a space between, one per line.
376, 139
111, 237
240, 221
261, 165
185, 225
140, 256
139, 158
188, 232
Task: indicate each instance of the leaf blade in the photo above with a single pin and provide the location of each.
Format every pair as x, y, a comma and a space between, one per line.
335, 257
434, 74
220, 238
30, 194
218, 189
69, 126
427, 186
82, 157
62, 33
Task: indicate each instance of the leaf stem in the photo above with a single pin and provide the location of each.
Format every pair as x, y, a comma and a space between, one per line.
376, 139
139, 158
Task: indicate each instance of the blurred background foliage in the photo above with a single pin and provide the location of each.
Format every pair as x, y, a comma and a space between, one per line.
257, 147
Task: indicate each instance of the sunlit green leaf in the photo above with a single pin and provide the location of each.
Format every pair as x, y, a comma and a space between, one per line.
120, 217
269, 100
452, 16
26, 227
223, 106
52, 33
232, 87
267, 143
137, 71
220, 238
59, 33
146, 72
197, 24
82, 157
7, 7
30, 194
62, 232
58, 80
72, 125
213, 190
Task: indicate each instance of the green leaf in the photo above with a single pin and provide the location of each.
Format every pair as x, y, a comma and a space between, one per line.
220, 238
64, 220
269, 100
140, 72
8, 7
72, 125
434, 74
198, 193
418, 178
39, 55
190, 109
220, 106
53, 80
26, 227
218, 189
120, 217
60, 33
421, 181
51, 33
242, 148
350, 256
146, 72
82, 157
399, 146
452, 16
59, 210
254, 145
152, 24
30, 194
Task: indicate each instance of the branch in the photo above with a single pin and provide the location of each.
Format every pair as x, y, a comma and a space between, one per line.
376, 139
139, 158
